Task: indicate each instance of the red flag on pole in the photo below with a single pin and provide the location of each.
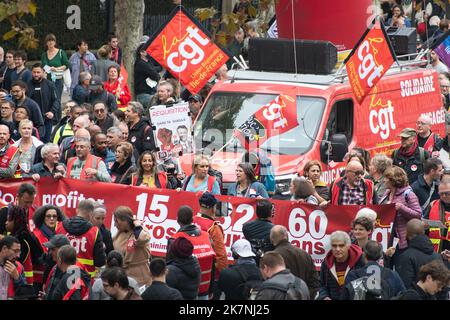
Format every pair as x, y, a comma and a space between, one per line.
185, 49
123, 81
369, 61
275, 118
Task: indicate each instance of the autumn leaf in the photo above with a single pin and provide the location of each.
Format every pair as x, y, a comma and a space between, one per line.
205, 13
252, 11
3, 12
9, 35
32, 7
221, 38
12, 9
23, 6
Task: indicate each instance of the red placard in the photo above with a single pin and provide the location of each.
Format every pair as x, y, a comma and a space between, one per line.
369, 61
185, 49
309, 226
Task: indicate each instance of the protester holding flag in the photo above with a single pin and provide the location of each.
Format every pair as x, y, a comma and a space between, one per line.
118, 86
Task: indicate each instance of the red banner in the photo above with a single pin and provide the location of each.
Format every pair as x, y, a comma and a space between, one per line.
373, 58
275, 118
309, 226
184, 48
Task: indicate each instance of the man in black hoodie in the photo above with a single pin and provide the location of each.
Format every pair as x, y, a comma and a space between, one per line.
141, 132
146, 77
85, 237
419, 252
43, 92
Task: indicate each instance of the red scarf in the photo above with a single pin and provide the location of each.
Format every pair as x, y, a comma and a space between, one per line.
411, 151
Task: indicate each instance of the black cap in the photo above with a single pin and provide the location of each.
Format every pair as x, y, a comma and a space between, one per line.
196, 97
207, 200
57, 241
95, 83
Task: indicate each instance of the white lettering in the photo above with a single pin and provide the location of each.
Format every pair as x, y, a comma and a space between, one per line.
382, 121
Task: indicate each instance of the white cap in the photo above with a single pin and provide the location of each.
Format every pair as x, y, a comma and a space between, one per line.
243, 248
367, 213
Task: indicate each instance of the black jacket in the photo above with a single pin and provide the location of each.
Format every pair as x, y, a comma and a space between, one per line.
77, 226
231, 280
419, 252
422, 191
258, 229
109, 122
104, 96
122, 174
142, 71
53, 282
269, 289
141, 136
412, 165
415, 293
161, 291
107, 239
62, 287
49, 99
35, 114
184, 275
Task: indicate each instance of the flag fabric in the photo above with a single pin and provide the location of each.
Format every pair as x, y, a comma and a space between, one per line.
275, 118
123, 81
442, 48
369, 61
184, 48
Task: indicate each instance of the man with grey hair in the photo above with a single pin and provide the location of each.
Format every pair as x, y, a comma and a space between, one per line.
140, 128
50, 165
343, 257
86, 166
427, 139
98, 219
113, 138
84, 237
298, 261
67, 145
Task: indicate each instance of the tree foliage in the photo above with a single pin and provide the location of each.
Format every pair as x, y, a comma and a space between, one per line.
14, 11
224, 27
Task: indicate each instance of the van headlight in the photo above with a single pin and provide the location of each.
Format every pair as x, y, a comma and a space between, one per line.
283, 183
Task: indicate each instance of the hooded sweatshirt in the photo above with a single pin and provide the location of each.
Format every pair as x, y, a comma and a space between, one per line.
184, 275
329, 282
78, 226
420, 251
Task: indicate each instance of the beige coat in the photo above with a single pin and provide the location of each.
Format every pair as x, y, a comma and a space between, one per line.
136, 255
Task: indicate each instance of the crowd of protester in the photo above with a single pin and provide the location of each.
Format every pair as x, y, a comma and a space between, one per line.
100, 134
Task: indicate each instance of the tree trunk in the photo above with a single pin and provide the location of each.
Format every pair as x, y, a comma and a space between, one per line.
129, 21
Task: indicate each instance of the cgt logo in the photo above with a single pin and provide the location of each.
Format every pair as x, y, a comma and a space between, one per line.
382, 121
190, 49
368, 66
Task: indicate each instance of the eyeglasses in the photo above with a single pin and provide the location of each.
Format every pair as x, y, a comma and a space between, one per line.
51, 216
421, 123
99, 111
445, 194
357, 173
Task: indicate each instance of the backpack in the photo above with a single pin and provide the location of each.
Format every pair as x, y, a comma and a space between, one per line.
292, 290
366, 288
249, 287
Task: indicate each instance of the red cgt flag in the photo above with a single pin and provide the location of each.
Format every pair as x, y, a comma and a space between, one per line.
275, 118
184, 48
369, 61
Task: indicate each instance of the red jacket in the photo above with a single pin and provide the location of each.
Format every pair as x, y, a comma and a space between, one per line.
437, 235
123, 97
336, 190
11, 289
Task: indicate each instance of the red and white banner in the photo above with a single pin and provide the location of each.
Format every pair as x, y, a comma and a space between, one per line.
309, 226
185, 49
369, 61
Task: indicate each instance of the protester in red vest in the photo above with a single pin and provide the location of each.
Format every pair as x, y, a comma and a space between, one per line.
9, 157
86, 166
147, 174
112, 85
31, 251
205, 219
75, 281
45, 219
427, 139
440, 211
10, 268
203, 249
353, 188
85, 237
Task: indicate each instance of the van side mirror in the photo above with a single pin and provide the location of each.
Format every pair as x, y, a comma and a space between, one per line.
339, 147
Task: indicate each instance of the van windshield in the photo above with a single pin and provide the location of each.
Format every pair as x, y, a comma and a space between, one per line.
226, 111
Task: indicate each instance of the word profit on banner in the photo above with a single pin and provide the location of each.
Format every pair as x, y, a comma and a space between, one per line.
70, 201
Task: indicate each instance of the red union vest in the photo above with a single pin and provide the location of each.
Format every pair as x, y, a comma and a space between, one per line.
211, 180
91, 162
38, 269
205, 254
11, 290
435, 234
336, 189
28, 266
84, 245
429, 144
6, 158
162, 178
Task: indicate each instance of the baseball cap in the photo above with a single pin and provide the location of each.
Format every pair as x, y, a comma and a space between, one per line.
196, 97
95, 83
207, 200
408, 132
243, 248
57, 241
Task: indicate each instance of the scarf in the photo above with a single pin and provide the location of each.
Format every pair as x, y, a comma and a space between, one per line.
411, 151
